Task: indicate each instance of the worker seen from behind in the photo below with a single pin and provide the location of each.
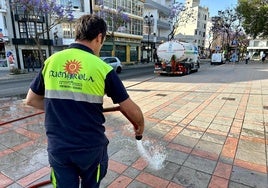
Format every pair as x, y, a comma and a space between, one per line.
70, 88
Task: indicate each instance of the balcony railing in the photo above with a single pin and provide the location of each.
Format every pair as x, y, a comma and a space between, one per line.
161, 8
163, 24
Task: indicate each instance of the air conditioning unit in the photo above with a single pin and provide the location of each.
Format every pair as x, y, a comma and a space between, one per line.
76, 8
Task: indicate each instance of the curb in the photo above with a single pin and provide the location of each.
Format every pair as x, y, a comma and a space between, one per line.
7, 78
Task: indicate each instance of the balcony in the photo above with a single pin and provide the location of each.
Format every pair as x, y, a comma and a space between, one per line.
153, 5
163, 24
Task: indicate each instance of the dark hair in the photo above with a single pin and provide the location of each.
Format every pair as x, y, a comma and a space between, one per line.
89, 27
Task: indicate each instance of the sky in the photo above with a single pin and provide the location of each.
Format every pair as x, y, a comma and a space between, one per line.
216, 5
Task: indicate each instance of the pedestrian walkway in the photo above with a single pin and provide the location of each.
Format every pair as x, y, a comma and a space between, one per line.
209, 130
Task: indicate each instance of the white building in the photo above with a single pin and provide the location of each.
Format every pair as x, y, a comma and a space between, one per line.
156, 31
4, 36
193, 29
257, 47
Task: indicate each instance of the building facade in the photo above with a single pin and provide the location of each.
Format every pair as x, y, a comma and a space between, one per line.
4, 36
134, 41
158, 28
128, 36
193, 29
257, 47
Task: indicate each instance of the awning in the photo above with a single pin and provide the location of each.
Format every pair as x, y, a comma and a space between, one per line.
4, 39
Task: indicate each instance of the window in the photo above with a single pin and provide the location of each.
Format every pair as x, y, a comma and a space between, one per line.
23, 30
136, 27
75, 3
68, 30
256, 43
5, 21
31, 29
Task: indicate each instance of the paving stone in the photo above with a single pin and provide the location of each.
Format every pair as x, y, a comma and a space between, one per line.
176, 157
126, 157
209, 147
131, 172
12, 159
252, 133
11, 138
191, 178
220, 127
248, 177
185, 140
251, 152
25, 167
237, 185
200, 164
14, 185
160, 129
226, 160
37, 152
215, 138
167, 172
108, 179
200, 124
137, 184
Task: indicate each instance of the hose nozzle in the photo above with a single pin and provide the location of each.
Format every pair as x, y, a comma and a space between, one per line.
138, 137
117, 108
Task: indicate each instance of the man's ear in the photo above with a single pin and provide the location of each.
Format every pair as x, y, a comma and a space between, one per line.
102, 38
99, 38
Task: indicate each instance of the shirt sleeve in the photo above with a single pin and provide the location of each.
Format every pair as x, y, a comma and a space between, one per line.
114, 88
37, 85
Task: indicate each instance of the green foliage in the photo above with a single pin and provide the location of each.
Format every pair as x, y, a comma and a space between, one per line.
180, 14
255, 17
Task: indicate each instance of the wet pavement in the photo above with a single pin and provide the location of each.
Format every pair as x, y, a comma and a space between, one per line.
209, 128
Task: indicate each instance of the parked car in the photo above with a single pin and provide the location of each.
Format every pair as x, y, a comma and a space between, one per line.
114, 62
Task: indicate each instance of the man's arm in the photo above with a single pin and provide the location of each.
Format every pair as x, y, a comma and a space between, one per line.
34, 100
133, 112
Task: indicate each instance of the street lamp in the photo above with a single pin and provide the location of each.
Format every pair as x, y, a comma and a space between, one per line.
149, 21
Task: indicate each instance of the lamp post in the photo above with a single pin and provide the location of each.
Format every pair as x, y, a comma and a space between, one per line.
149, 20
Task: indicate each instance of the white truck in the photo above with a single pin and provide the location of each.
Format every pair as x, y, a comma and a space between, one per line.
217, 59
177, 58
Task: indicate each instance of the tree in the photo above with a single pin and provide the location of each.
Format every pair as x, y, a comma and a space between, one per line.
42, 11
255, 17
227, 24
116, 19
179, 13
212, 36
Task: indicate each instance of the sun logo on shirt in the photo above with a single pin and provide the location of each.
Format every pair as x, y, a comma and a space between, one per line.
72, 67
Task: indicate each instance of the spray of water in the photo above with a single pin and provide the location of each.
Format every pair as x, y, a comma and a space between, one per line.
153, 154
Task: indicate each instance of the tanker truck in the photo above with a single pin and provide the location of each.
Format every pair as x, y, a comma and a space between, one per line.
177, 58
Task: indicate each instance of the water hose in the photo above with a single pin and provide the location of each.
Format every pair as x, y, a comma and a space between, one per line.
110, 109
